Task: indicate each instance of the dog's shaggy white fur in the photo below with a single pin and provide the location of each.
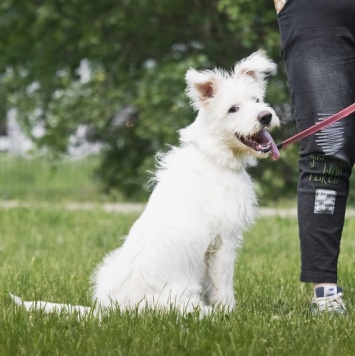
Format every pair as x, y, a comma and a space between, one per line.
181, 252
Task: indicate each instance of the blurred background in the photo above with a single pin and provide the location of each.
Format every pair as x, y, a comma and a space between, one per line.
90, 90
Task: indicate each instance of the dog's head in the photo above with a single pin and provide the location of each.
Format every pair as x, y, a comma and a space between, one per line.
231, 106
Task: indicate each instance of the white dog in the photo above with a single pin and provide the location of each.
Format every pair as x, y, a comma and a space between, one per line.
181, 252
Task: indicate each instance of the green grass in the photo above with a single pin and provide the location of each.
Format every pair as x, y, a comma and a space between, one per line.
42, 179
50, 254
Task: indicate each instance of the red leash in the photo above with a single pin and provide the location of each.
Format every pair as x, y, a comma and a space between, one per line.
319, 126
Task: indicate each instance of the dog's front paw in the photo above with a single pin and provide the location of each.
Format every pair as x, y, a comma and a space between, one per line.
226, 304
229, 307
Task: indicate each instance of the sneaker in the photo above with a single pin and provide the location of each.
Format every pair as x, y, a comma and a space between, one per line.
328, 299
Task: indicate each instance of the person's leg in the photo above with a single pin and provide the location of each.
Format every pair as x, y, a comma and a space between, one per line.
318, 46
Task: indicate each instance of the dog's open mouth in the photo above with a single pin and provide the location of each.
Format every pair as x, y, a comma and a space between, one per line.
261, 142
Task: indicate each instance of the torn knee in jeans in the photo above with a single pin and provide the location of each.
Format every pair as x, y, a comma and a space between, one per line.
279, 4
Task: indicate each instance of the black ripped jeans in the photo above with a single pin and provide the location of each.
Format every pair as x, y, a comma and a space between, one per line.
318, 47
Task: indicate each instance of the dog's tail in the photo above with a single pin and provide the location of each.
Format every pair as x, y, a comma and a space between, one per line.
53, 307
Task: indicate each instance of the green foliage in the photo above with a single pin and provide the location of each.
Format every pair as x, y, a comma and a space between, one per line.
49, 254
137, 52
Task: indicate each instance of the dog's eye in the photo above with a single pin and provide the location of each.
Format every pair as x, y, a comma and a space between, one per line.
257, 100
233, 109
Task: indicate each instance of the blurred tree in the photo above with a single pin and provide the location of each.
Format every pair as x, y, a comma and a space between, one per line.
65, 63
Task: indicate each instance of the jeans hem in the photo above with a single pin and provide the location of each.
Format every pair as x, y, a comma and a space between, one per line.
318, 278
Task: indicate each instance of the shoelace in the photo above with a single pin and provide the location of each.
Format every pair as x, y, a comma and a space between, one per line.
330, 303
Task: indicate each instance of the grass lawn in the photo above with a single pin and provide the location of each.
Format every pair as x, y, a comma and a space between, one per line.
41, 179
49, 254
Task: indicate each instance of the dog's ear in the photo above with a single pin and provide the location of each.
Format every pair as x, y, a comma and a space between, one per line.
256, 67
202, 86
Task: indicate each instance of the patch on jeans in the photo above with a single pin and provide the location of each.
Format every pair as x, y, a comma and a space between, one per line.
324, 201
330, 139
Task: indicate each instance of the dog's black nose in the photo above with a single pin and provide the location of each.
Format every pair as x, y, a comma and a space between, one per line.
265, 117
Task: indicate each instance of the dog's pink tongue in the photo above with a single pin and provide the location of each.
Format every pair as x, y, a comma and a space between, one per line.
265, 136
